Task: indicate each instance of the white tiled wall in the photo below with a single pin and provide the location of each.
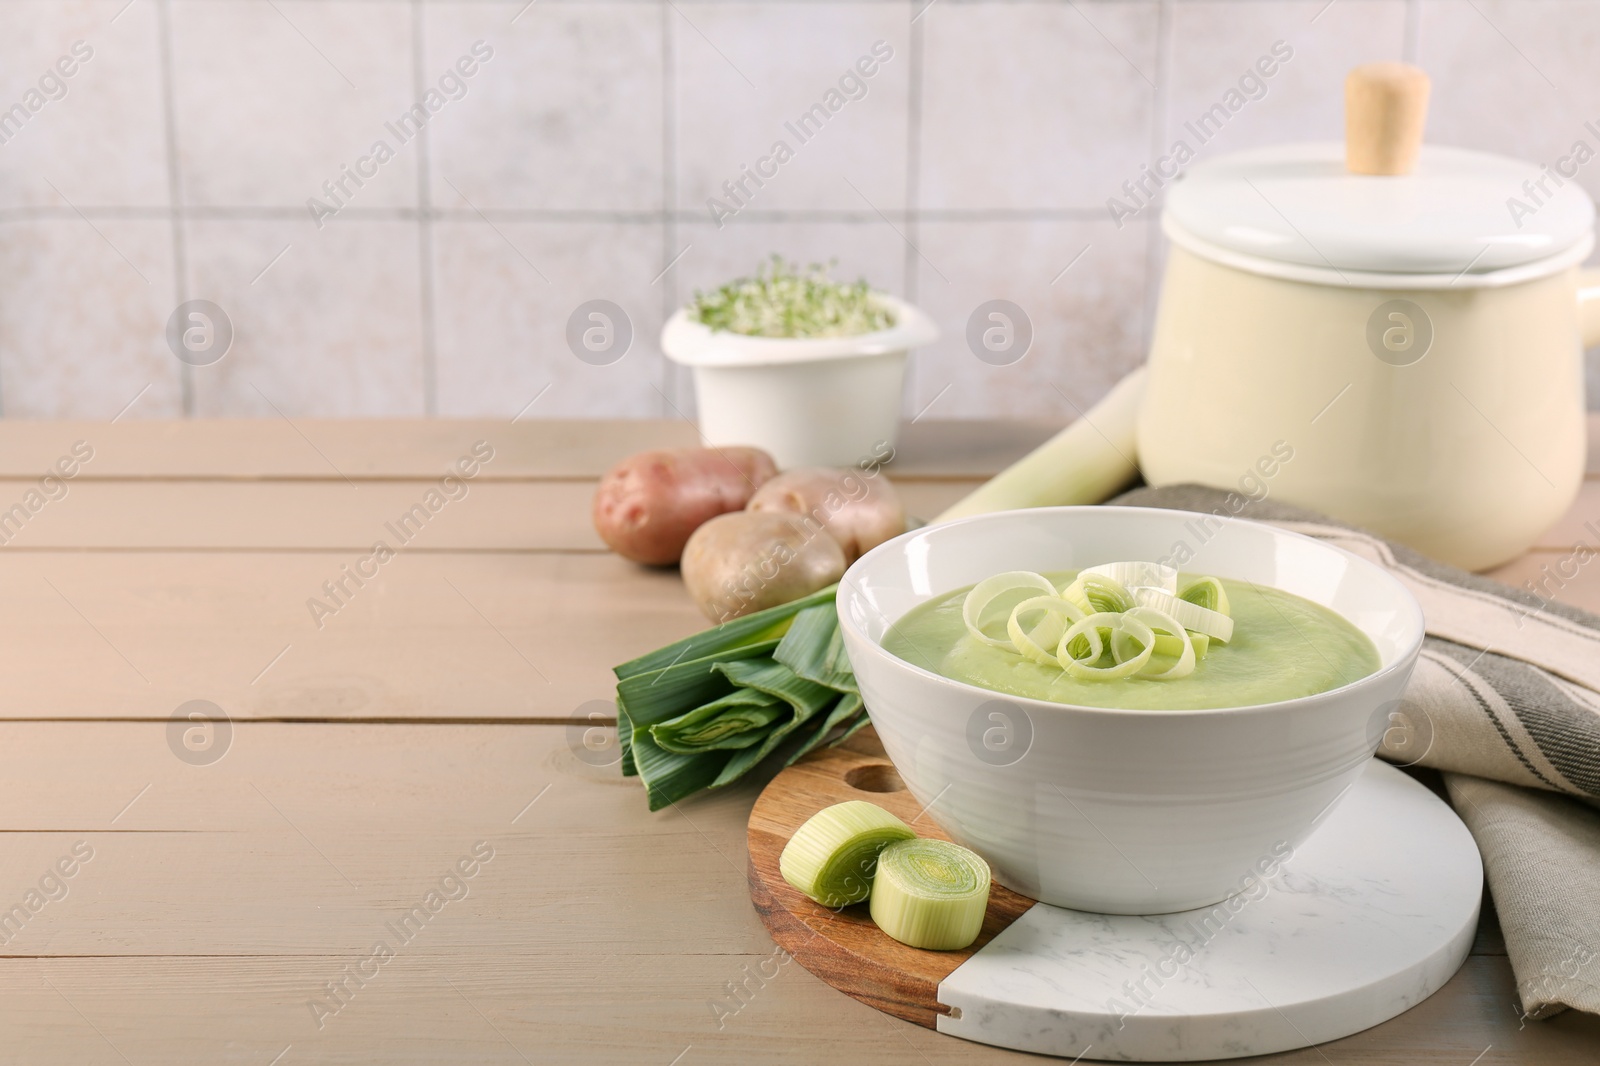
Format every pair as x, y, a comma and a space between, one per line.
576, 162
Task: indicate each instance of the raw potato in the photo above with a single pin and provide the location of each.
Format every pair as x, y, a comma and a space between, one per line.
647, 505
857, 511
748, 561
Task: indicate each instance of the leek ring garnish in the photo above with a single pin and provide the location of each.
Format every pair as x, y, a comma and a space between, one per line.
1082, 646
1058, 615
1136, 574
1173, 646
1163, 624
1206, 592
930, 894
833, 856
1098, 593
990, 589
1213, 624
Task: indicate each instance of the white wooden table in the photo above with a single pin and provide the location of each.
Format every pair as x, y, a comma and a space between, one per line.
230, 909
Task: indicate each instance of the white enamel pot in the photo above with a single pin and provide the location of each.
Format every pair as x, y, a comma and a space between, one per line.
1414, 343
819, 401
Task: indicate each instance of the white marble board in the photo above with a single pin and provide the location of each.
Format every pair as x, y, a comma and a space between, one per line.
1367, 918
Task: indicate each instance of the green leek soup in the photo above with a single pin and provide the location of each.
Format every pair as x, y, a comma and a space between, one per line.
1283, 647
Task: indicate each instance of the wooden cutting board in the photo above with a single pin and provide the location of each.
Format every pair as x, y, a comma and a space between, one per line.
844, 947
1384, 895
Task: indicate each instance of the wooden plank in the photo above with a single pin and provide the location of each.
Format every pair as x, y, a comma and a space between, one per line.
206, 924
330, 449
621, 1008
219, 515
476, 636
313, 840
463, 636
525, 515
411, 448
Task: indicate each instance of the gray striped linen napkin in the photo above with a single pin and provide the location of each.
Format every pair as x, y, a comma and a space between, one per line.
1505, 701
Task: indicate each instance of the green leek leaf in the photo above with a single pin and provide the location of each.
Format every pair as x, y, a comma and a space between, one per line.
668, 776
813, 648
852, 730
737, 720
720, 639
625, 738
848, 707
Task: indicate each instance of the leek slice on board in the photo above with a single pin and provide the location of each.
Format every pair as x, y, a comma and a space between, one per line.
832, 857
737, 720
930, 894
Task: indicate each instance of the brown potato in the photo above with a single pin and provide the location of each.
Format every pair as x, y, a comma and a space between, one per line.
859, 512
748, 561
647, 505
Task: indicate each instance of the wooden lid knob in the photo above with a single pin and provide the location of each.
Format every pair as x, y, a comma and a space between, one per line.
1385, 108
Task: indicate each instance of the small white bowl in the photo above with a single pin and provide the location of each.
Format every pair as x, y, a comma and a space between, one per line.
822, 401
1112, 811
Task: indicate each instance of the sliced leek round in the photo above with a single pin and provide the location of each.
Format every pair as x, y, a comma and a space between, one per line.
930, 894
1173, 646
1098, 593
1163, 624
1039, 642
987, 591
1136, 573
1213, 624
833, 856
1082, 646
1206, 592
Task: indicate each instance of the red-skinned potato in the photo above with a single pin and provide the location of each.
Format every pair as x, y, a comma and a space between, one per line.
857, 511
748, 561
648, 505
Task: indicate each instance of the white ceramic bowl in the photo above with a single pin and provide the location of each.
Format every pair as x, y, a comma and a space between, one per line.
821, 401
1122, 812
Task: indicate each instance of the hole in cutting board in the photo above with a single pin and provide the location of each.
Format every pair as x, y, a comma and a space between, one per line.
874, 777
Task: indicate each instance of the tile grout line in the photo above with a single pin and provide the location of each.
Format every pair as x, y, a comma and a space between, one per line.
1158, 135
425, 257
180, 249
551, 216
913, 189
671, 380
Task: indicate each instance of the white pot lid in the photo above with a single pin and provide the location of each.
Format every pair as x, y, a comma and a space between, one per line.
1457, 214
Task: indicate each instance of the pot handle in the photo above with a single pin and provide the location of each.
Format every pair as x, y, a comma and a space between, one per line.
1589, 307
